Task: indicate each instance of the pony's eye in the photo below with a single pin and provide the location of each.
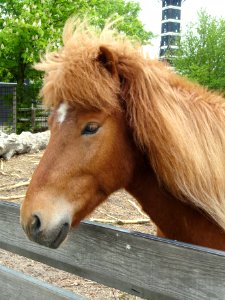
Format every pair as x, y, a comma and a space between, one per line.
90, 128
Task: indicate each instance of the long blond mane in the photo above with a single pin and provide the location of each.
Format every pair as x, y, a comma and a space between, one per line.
180, 125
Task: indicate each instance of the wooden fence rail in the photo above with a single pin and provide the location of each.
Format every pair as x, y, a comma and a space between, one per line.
36, 116
18, 286
139, 264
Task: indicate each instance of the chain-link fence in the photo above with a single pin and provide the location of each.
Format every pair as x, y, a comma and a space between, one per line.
8, 107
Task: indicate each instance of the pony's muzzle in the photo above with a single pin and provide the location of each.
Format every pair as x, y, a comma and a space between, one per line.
51, 237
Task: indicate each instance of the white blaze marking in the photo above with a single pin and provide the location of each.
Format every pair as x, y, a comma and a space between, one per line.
62, 112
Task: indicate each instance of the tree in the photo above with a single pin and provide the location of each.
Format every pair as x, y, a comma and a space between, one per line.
29, 26
201, 52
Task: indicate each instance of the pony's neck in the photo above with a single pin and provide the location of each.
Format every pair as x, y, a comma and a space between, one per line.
169, 116
173, 218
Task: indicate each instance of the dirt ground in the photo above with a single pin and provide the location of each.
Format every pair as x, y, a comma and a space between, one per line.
120, 206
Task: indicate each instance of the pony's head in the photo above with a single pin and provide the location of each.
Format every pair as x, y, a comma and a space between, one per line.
108, 102
91, 150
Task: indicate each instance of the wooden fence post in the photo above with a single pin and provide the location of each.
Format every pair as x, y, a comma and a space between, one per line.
33, 117
14, 109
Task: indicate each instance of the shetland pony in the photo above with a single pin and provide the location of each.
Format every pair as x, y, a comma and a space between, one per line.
121, 120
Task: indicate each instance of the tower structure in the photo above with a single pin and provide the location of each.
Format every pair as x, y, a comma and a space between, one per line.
170, 26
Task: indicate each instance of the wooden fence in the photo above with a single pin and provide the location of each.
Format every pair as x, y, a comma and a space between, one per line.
139, 264
35, 118
16, 119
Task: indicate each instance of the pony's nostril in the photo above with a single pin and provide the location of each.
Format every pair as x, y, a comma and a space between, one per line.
66, 225
35, 225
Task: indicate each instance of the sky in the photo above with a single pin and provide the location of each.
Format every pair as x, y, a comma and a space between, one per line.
152, 10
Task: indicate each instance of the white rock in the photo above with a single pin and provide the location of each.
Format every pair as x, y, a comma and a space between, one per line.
26, 142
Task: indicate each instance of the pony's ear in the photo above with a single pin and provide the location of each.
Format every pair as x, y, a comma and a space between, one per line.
107, 59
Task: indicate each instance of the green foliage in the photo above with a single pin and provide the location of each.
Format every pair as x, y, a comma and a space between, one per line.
29, 26
201, 53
